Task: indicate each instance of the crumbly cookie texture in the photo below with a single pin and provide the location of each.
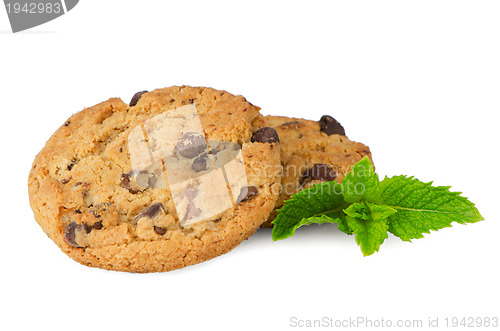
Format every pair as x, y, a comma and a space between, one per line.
88, 200
312, 152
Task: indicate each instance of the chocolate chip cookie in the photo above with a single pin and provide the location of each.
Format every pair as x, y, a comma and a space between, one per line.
312, 152
176, 177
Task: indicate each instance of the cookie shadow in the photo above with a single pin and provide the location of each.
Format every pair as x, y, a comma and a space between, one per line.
313, 232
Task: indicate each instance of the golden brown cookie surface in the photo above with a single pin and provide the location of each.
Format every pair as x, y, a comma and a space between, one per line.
312, 152
89, 199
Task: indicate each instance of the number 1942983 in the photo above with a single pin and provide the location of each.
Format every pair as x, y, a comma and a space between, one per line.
471, 322
34, 8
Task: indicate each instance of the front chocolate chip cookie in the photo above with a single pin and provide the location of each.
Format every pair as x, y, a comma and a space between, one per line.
171, 179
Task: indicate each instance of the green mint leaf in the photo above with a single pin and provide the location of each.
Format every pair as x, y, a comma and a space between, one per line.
361, 182
370, 223
322, 203
422, 207
363, 206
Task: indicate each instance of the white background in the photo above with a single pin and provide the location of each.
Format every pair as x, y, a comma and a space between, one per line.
417, 81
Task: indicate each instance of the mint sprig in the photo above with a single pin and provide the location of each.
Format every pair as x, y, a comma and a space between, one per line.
368, 208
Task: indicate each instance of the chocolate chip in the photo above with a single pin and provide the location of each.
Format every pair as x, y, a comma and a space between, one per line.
246, 193
99, 209
71, 230
67, 123
191, 101
98, 225
151, 211
215, 151
329, 125
190, 193
125, 183
84, 185
323, 172
200, 163
136, 98
69, 234
192, 211
191, 144
65, 181
125, 180
265, 135
160, 231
